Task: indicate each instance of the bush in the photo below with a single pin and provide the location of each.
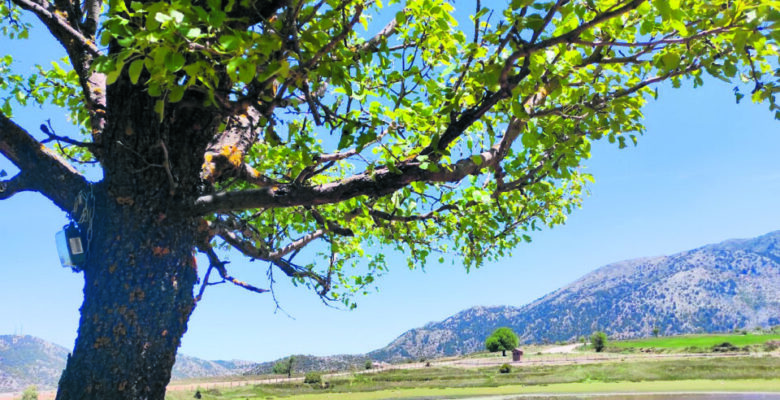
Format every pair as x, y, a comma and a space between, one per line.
724, 347
505, 369
30, 393
599, 341
369, 364
313, 378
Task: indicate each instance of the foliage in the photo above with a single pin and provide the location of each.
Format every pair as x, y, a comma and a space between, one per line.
599, 341
30, 393
502, 339
425, 100
285, 367
368, 364
505, 368
313, 378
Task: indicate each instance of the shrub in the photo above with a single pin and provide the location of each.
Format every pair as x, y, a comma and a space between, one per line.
369, 364
599, 341
505, 369
724, 347
313, 378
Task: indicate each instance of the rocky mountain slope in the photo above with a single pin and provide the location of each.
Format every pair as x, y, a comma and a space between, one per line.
28, 360
718, 287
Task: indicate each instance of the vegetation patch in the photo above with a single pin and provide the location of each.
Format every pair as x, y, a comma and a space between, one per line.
696, 343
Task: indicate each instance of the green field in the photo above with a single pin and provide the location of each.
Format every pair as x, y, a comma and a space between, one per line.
696, 341
723, 373
687, 386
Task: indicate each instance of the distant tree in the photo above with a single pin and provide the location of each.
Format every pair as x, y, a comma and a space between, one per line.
285, 366
656, 331
502, 339
369, 364
599, 341
30, 393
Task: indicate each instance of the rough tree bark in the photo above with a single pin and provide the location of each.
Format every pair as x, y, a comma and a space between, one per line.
140, 270
137, 300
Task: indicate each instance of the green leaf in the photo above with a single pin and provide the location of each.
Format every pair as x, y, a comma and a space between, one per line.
174, 61
113, 75
671, 60
159, 108
176, 94
134, 71
246, 72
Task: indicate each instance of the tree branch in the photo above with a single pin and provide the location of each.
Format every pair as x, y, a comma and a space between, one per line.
377, 183
42, 170
13, 186
569, 36
216, 263
66, 34
82, 51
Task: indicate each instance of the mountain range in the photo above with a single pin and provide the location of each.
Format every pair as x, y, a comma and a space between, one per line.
28, 360
714, 288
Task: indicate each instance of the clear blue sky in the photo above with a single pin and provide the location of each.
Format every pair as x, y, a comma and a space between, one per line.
707, 170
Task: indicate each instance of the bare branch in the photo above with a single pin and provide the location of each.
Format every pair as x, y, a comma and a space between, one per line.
216, 263
433, 215
43, 170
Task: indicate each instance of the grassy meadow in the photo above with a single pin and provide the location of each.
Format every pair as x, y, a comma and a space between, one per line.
746, 373
696, 341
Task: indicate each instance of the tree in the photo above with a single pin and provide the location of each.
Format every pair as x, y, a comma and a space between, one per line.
30, 393
284, 367
599, 341
502, 339
656, 331
301, 135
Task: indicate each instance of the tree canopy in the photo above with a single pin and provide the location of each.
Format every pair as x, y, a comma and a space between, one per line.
502, 339
362, 125
313, 135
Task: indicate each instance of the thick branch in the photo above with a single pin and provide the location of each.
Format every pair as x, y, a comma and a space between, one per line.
59, 26
380, 182
82, 51
42, 170
13, 186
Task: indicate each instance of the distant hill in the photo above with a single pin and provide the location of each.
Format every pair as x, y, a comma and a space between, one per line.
28, 360
306, 363
715, 288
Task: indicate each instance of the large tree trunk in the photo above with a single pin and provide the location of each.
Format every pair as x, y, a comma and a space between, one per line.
138, 285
